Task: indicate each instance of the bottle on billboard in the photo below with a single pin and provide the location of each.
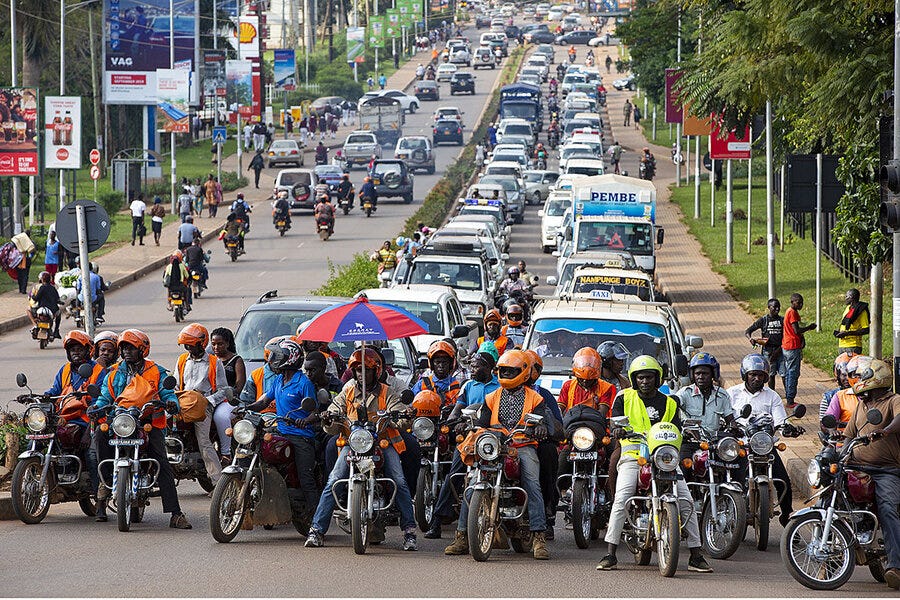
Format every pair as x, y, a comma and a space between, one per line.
57, 130
67, 130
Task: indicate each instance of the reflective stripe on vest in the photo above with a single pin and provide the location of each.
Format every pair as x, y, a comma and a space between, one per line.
449, 397
636, 411
532, 401
182, 360
392, 432
259, 381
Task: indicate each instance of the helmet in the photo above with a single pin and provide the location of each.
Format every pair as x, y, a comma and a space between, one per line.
105, 337
517, 362
94, 267
852, 367
136, 338
644, 363
271, 344
515, 315
754, 362
442, 346
240, 196
705, 359
76, 336
401, 241
536, 361
610, 349
840, 363
488, 347
872, 374
427, 404
194, 334
284, 354
586, 364
372, 361
512, 271
493, 315
177, 254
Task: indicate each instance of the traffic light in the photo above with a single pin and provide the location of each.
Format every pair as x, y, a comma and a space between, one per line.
889, 177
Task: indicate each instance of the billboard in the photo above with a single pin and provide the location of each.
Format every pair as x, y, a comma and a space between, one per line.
285, 70
173, 89
248, 36
18, 141
674, 110
213, 72
392, 27
239, 88
734, 146
356, 45
136, 44
62, 132
376, 31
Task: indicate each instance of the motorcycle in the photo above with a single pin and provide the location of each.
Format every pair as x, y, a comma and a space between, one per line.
822, 544
197, 282
653, 519
281, 224
260, 486
43, 331
367, 206
232, 246
176, 303
77, 313
553, 137
437, 455
571, 57
647, 169
183, 452
321, 158
323, 227
541, 164
51, 471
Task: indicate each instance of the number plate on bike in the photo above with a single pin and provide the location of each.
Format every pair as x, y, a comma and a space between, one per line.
124, 442
176, 301
724, 465
582, 456
39, 436
365, 465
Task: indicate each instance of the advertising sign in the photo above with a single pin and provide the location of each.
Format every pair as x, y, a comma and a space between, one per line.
376, 31
285, 70
674, 112
406, 13
248, 35
392, 27
136, 44
213, 72
173, 88
18, 141
356, 45
239, 88
735, 146
62, 132
694, 125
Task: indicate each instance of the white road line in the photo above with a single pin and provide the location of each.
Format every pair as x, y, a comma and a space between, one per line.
261, 273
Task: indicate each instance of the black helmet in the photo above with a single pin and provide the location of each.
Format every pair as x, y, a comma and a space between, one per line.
284, 355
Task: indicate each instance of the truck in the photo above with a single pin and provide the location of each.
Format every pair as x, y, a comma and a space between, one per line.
384, 117
614, 212
522, 101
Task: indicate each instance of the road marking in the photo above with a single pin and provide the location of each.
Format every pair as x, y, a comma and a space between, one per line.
261, 273
300, 245
282, 259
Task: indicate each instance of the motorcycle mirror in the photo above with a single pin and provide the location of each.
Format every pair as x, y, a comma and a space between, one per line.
800, 411
389, 356
85, 371
229, 393
169, 383
323, 396
460, 331
362, 414
21, 380
829, 422
308, 404
93, 390
874, 417
423, 362
533, 419
407, 397
745, 412
621, 421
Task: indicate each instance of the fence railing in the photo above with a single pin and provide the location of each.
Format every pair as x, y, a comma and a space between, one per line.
803, 223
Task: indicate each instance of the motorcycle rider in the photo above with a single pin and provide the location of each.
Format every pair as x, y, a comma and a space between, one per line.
507, 407
764, 400
345, 190
324, 212
195, 259
203, 373
98, 301
493, 333
703, 399
137, 381
515, 325
572, 54
105, 348
368, 191
176, 278
513, 283
233, 229
586, 387
843, 400
260, 379
553, 85
321, 154
840, 376
420, 72
242, 211
365, 362
614, 355
442, 362
882, 454
281, 210
45, 295
645, 405
648, 161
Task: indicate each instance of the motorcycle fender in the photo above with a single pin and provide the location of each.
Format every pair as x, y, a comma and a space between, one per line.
123, 462
805, 511
31, 454
668, 498
482, 485
733, 486
232, 469
274, 506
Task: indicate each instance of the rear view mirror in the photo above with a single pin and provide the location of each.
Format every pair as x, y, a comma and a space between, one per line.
389, 356
323, 396
829, 422
694, 341
93, 390
460, 331
800, 411
874, 417
85, 371
308, 405
169, 383
21, 380
552, 280
621, 421
504, 257
746, 411
423, 363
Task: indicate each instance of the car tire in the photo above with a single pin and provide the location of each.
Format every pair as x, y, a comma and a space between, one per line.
413, 107
407, 198
430, 170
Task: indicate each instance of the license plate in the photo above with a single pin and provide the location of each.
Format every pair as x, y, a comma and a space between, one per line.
717, 463
125, 442
231, 245
176, 301
196, 277
39, 436
582, 456
281, 223
44, 325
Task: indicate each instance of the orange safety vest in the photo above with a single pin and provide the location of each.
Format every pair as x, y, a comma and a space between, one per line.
182, 360
532, 400
848, 401
500, 343
75, 409
258, 377
392, 432
159, 417
594, 400
449, 397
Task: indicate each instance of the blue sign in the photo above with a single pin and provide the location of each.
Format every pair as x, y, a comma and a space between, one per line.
284, 70
219, 135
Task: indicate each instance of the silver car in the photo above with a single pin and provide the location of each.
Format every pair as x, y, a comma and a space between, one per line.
538, 184
284, 152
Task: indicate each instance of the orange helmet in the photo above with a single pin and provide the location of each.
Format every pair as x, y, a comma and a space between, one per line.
841, 362
372, 361
194, 334
493, 315
136, 338
515, 315
427, 404
178, 254
76, 336
513, 369
445, 347
537, 363
586, 364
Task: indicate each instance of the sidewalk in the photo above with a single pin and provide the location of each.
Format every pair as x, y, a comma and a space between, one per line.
699, 294
128, 263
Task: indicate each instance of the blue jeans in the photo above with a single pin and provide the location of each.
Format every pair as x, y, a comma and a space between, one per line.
392, 468
531, 483
887, 491
791, 372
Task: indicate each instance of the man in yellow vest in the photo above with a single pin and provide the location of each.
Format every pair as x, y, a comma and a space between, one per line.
645, 405
204, 373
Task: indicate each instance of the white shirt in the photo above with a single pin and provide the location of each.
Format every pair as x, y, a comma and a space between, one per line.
196, 377
763, 401
137, 208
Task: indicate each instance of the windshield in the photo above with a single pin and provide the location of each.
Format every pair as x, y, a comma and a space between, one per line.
557, 340
259, 326
637, 238
572, 78
504, 157
518, 111
518, 130
616, 284
329, 170
572, 150
584, 170
494, 170
508, 184
534, 177
573, 125
556, 208
291, 179
464, 276
427, 311
412, 144
360, 139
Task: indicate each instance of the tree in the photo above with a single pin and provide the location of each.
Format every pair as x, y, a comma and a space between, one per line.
37, 21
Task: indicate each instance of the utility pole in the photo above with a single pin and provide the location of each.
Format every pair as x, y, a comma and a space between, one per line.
62, 86
770, 202
215, 16
14, 77
896, 235
172, 165
677, 125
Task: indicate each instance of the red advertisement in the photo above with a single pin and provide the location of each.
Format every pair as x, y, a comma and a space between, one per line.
18, 132
735, 146
674, 110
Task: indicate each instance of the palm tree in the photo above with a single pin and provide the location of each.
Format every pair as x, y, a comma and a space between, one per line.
37, 20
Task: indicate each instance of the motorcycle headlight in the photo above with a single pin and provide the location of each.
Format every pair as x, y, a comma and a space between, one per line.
124, 425
487, 447
761, 442
35, 419
728, 449
583, 438
666, 458
423, 428
243, 432
813, 473
361, 441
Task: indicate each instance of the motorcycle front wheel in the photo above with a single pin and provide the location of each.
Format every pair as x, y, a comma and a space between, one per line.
816, 563
359, 516
423, 503
88, 506
226, 509
123, 499
668, 538
30, 499
480, 527
763, 516
581, 513
723, 532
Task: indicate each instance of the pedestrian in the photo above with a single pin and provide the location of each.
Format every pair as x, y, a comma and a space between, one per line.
257, 165
333, 127
382, 81
197, 125
22, 242
313, 125
771, 330
289, 123
259, 136
197, 193
138, 230
479, 155
491, 136
51, 254
248, 134
370, 82
185, 206
209, 192
270, 133
637, 117
615, 155
627, 111
854, 324
792, 344
304, 131
157, 212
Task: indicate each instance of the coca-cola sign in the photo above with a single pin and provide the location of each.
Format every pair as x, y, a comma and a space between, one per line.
62, 132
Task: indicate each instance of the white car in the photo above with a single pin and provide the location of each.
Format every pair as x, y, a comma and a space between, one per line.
449, 112
409, 103
460, 55
446, 71
552, 217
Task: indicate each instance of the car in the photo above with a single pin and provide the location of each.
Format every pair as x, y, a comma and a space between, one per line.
584, 166
531, 79
538, 185
547, 51
300, 184
331, 175
359, 147
543, 37
409, 102
527, 30
479, 237
486, 215
515, 201
555, 13
392, 178
572, 150
501, 44
518, 127
449, 112
447, 130
321, 105
462, 82
552, 216
625, 83
445, 72
366, 97
482, 20
284, 152
521, 140
417, 152
571, 22
484, 58
565, 266
609, 282
427, 89
504, 155
512, 32
498, 167
460, 55
579, 37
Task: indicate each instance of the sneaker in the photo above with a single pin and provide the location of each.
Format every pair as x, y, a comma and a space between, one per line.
314, 540
892, 578
699, 565
434, 532
409, 542
607, 563
179, 521
791, 404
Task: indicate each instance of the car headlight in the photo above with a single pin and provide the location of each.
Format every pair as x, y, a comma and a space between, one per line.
813, 473
35, 419
583, 438
243, 432
361, 441
728, 449
124, 425
487, 447
761, 442
666, 458
423, 428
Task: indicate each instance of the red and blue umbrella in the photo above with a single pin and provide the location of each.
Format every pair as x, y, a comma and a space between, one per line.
363, 321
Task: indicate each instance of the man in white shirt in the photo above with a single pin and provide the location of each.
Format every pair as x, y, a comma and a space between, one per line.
138, 230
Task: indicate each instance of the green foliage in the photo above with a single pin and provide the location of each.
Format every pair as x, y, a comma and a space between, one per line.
232, 181
346, 280
112, 201
857, 231
336, 79
13, 424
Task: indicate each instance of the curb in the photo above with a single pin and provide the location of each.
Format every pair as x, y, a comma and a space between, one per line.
6, 508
